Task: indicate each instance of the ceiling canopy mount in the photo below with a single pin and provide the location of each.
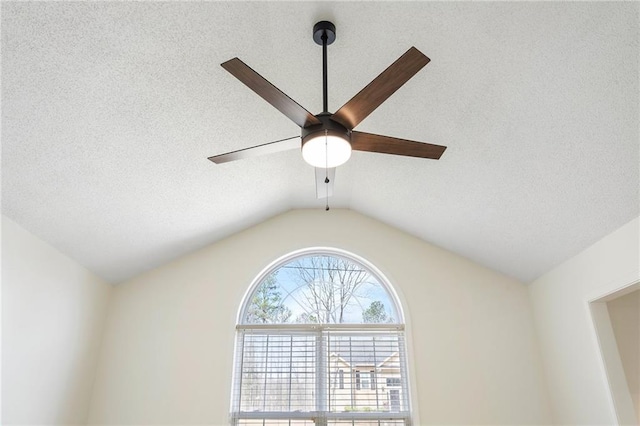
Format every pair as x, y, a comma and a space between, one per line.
324, 28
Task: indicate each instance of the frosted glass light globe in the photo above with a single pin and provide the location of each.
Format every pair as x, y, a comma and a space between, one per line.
326, 151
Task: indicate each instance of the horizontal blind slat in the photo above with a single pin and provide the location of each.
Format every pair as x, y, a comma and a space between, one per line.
364, 375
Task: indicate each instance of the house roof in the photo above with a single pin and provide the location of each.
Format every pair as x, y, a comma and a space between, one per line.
110, 110
364, 351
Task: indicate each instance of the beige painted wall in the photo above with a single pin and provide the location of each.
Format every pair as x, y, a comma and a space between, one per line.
53, 313
575, 372
624, 313
167, 355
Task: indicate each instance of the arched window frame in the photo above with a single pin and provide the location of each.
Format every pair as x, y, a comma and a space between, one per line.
322, 337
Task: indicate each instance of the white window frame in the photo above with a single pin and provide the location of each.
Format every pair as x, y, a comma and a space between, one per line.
322, 416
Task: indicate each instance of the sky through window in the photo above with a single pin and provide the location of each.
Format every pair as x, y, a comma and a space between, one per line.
324, 289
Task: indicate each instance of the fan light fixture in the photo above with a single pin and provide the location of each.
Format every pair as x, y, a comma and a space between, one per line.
326, 145
326, 151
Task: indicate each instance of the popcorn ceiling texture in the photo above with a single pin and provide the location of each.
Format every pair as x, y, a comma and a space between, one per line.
110, 110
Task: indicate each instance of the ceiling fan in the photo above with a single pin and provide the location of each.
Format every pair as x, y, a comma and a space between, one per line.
328, 139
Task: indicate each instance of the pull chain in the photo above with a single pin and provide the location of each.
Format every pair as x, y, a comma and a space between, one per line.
326, 166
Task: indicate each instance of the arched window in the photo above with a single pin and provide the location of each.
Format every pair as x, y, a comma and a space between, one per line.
320, 341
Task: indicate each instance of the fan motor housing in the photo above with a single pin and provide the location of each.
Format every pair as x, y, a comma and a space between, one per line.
328, 127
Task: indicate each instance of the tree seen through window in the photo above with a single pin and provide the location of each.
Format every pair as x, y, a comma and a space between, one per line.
320, 289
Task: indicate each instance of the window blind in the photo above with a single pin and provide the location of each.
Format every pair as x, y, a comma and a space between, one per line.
321, 375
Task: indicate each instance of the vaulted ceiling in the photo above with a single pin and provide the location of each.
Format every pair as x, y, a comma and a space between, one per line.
110, 110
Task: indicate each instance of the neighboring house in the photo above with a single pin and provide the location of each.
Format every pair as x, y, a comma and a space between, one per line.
364, 384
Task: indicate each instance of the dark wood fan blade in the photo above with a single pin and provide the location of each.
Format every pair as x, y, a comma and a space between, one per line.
387, 145
270, 93
256, 151
383, 86
324, 189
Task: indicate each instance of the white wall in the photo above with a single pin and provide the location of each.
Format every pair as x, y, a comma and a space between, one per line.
167, 355
574, 369
53, 313
624, 312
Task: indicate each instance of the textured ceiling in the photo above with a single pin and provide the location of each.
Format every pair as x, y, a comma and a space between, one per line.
110, 110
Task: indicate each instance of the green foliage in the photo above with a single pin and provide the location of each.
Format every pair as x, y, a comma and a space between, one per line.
375, 313
352, 409
306, 318
266, 306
